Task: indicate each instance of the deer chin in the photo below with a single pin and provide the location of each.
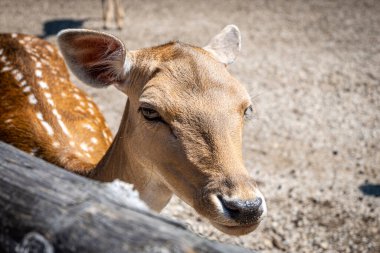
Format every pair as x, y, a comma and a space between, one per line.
237, 230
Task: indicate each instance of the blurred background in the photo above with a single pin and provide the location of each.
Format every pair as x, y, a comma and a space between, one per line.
313, 71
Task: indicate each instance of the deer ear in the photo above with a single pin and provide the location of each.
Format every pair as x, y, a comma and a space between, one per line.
96, 58
225, 45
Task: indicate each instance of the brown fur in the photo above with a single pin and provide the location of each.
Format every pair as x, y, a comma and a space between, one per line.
19, 124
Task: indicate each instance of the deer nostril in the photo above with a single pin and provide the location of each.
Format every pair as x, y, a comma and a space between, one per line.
243, 211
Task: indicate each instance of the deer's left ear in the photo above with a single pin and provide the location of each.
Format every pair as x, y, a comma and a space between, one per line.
226, 45
96, 58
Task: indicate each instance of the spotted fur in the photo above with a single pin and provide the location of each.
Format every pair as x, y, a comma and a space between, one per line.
39, 106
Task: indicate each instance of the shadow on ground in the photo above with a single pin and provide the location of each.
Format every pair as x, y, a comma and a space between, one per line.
52, 27
370, 189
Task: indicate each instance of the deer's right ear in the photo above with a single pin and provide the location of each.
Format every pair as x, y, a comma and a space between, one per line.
96, 58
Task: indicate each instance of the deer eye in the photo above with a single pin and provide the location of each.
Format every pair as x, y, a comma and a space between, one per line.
150, 114
248, 113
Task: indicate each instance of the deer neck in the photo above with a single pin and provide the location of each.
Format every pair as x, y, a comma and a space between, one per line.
120, 162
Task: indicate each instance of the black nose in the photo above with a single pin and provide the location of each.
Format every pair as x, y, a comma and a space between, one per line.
243, 211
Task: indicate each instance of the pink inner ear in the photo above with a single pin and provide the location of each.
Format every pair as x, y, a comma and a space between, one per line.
99, 57
96, 58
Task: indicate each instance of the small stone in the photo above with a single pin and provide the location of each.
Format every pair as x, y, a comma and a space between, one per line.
324, 245
268, 244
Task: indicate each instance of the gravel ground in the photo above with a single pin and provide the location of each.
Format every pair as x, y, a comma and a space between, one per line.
313, 70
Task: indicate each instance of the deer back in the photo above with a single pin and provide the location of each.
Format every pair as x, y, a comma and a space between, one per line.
42, 112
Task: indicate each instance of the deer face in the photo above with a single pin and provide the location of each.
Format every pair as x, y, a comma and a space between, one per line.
185, 119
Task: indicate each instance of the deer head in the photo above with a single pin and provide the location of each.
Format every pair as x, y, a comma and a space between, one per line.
182, 128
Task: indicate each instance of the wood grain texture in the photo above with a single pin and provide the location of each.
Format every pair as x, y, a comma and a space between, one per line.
46, 209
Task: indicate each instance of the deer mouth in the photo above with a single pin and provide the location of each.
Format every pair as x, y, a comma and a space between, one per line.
236, 230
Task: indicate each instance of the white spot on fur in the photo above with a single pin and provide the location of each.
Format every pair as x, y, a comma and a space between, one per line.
72, 144
38, 64
39, 116
38, 73
63, 94
50, 101
19, 76
94, 140
49, 48
27, 89
14, 35
64, 128
5, 69
76, 96
84, 146
78, 154
1, 51
15, 72
82, 103
47, 95
43, 85
8, 121
104, 134
78, 108
46, 125
23, 83
88, 155
55, 112
91, 111
44, 61
3, 58
56, 144
32, 99
89, 127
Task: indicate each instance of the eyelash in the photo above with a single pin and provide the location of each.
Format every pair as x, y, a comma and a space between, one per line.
155, 120
248, 114
145, 112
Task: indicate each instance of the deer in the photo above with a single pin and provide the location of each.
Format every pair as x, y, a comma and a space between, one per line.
113, 10
181, 131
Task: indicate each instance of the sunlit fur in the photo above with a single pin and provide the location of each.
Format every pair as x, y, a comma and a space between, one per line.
197, 153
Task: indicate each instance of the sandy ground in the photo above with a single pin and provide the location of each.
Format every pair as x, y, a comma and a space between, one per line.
313, 70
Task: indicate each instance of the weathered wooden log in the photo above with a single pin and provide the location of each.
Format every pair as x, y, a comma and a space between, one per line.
46, 209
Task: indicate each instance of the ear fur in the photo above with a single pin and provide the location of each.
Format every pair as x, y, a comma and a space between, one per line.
225, 45
96, 58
